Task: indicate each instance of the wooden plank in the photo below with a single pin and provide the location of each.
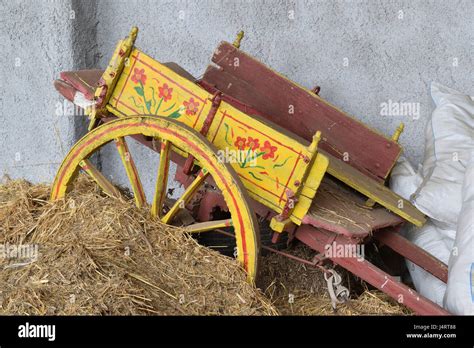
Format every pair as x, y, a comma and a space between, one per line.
414, 253
207, 226
271, 161
84, 81
147, 87
368, 183
265, 90
161, 179
186, 196
338, 209
99, 178
65, 89
268, 161
375, 191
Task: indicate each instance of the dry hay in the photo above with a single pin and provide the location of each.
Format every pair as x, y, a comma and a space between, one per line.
103, 256
297, 289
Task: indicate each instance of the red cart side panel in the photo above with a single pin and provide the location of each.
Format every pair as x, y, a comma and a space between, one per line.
84, 81
301, 111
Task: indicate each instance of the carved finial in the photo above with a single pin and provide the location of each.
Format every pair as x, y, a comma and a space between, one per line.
316, 90
313, 147
130, 39
133, 33
240, 36
398, 131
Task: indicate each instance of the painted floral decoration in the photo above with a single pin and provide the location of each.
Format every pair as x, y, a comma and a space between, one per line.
268, 150
139, 76
240, 143
191, 106
252, 143
165, 92
147, 99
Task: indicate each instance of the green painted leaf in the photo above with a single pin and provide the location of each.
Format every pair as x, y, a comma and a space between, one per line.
158, 107
259, 167
153, 95
139, 90
281, 164
255, 177
148, 105
226, 134
175, 114
137, 105
168, 109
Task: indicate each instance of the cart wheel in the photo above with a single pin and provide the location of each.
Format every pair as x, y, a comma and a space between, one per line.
171, 135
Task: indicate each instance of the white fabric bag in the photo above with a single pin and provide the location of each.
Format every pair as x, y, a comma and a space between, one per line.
449, 138
404, 180
459, 298
437, 242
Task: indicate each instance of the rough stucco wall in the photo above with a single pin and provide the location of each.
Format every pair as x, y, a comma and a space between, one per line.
38, 39
361, 53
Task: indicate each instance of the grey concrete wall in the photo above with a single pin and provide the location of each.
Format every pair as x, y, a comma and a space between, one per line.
362, 54
38, 39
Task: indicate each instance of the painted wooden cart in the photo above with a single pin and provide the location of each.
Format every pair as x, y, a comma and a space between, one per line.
248, 142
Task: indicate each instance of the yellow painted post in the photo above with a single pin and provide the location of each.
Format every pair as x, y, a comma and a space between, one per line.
238, 39
99, 178
111, 75
398, 132
161, 179
208, 226
317, 167
187, 195
281, 222
313, 147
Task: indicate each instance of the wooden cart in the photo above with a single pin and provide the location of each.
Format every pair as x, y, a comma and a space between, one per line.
248, 142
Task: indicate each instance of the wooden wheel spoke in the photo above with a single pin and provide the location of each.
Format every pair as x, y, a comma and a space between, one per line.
187, 195
132, 172
161, 179
208, 226
99, 178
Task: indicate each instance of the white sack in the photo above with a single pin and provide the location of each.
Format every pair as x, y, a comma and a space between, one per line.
459, 298
437, 242
404, 180
449, 136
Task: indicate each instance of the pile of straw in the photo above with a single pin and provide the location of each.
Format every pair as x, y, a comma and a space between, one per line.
103, 256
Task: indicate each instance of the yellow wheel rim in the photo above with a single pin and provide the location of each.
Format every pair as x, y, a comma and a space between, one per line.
168, 131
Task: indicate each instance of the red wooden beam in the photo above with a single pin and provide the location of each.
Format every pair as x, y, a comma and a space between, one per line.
85, 81
216, 102
318, 240
412, 252
300, 111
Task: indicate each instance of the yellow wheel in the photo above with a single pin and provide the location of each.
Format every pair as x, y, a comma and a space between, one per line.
172, 135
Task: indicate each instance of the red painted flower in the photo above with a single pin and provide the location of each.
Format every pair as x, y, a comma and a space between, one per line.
268, 150
165, 92
139, 76
252, 143
240, 143
191, 106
